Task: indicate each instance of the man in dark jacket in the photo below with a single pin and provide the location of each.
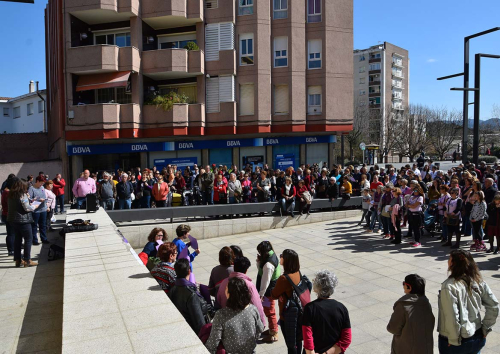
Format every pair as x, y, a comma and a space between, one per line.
207, 186
186, 298
412, 322
489, 190
124, 190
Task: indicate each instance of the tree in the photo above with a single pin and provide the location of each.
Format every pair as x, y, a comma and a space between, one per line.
360, 126
410, 131
443, 129
391, 129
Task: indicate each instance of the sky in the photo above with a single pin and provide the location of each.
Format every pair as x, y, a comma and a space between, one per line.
431, 30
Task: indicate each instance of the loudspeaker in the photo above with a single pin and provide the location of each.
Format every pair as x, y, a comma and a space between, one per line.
91, 203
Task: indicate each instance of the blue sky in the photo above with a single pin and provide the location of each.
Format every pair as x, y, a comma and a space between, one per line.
432, 31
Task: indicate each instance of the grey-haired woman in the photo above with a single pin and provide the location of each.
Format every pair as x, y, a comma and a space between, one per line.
325, 324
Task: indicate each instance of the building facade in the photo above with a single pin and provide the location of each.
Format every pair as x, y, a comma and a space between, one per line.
261, 81
24, 114
381, 87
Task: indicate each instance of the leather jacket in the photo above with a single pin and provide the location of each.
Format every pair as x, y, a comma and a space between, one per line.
17, 212
189, 303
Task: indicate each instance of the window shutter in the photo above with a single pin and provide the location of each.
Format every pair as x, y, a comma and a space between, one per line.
226, 36
281, 99
246, 100
212, 88
314, 90
315, 46
280, 43
212, 42
314, 107
226, 88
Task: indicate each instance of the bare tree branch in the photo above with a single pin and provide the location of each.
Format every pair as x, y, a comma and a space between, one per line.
443, 129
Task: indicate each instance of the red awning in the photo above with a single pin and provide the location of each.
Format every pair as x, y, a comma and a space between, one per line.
100, 81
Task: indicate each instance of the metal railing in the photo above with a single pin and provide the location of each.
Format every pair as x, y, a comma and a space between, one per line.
229, 210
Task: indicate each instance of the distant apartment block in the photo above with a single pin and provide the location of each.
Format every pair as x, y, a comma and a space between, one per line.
381, 86
24, 114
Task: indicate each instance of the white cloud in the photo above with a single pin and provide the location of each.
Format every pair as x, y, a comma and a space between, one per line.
432, 60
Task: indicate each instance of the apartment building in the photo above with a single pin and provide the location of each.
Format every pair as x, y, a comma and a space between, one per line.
25, 113
381, 87
259, 81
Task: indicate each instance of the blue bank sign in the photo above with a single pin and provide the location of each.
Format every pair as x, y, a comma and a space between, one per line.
195, 145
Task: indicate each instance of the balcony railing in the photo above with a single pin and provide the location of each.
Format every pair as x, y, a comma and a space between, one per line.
398, 74
226, 65
113, 10
181, 115
166, 63
102, 58
397, 63
159, 14
103, 116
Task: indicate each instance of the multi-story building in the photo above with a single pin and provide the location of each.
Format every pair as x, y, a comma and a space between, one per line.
381, 87
256, 81
25, 113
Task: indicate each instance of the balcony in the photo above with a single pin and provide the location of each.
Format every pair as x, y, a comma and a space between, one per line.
398, 74
164, 64
225, 12
398, 85
104, 116
102, 11
225, 117
374, 94
374, 105
226, 65
397, 63
377, 71
102, 58
374, 60
182, 115
373, 83
171, 13
398, 107
397, 97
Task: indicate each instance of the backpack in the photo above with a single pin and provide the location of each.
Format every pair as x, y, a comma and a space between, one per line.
55, 252
294, 308
301, 293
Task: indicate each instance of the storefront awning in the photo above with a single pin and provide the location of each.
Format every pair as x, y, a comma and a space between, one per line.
100, 81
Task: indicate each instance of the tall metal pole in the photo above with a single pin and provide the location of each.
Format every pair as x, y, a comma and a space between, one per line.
465, 135
342, 151
477, 107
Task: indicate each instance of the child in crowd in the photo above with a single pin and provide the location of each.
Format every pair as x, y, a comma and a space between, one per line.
412, 322
182, 232
366, 207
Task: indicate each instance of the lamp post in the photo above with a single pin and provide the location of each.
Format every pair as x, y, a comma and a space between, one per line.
466, 90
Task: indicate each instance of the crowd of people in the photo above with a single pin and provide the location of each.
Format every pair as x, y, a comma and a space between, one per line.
231, 313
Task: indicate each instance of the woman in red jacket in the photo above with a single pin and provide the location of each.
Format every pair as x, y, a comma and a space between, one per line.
220, 195
160, 192
305, 197
288, 193
58, 190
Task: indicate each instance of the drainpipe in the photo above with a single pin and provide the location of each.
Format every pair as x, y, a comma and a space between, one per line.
44, 109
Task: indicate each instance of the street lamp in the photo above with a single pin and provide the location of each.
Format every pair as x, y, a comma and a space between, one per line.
465, 74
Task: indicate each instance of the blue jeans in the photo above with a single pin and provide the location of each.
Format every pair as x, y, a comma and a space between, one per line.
232, 200
290, 205
385, 223
124, 203
107, 204
9, 240
472, 345
79, 202
22, 232
466, 225
208, 197
375, 218
59, 203
40, 221
145, 201
444, 228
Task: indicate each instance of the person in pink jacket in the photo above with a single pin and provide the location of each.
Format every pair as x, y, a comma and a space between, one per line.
241, 266
51, 202
83, 186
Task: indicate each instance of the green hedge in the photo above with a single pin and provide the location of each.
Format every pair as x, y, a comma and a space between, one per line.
487, 159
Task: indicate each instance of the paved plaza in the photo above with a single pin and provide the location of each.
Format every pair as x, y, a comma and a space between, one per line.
370, 272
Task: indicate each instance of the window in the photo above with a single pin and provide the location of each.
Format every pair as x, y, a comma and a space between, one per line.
361, 80
281, 99
246, 49
246, 100
119, 39
189, 90
280, 52
211, 4
17, 112
375, 56
29, 109
246, 7
314, 100
280, 9
374, 100
362, 92
314, 11
218, 89
113, 95
40, 106
362, 58
218, 36
176, 41
362, 69
375, 66
314, 61
6, 112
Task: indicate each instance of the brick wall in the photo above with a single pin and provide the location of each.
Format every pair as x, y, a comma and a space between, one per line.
28, 147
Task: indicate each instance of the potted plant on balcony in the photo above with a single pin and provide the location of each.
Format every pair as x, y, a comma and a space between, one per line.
191, 46
166, 102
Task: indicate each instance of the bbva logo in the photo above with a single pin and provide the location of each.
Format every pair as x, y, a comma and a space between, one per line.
272, 141
311, 140
142, 147
81, 150
186, 146
233, 143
